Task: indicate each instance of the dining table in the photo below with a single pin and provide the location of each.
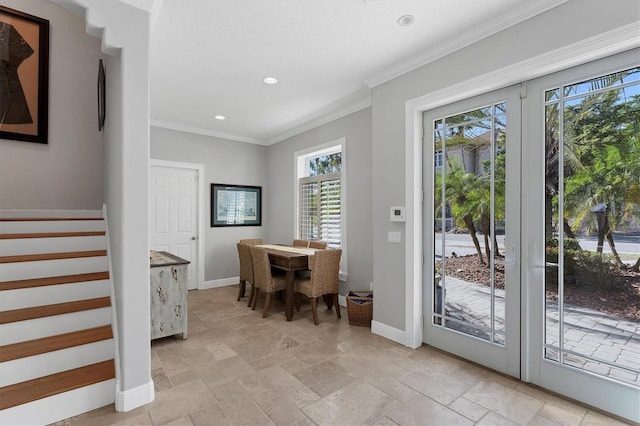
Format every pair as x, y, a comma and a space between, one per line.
289, 259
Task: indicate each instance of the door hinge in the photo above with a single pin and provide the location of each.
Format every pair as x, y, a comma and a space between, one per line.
423, 133
422, 318
196, 177
523, 92
422, 258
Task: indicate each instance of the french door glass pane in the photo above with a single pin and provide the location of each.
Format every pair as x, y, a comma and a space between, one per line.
469, 210
592, 225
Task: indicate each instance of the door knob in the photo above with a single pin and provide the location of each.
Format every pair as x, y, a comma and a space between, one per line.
194, 238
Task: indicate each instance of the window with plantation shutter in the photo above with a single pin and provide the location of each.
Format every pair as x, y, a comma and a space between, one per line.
321, 195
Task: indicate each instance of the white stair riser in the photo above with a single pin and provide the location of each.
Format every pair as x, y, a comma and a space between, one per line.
52, 268
61, 406
38, 296
20, 246
23, 369
21, 331
27, 227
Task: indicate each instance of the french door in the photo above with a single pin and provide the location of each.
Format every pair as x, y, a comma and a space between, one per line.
472, 229
582, 227
532, 232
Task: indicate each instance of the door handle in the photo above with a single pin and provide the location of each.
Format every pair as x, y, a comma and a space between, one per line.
194, 238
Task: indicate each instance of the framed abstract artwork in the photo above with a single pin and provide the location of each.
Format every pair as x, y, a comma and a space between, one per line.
24, 76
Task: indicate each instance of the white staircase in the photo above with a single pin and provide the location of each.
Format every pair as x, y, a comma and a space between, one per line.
57, 346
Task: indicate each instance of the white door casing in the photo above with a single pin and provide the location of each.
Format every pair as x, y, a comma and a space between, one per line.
175, 213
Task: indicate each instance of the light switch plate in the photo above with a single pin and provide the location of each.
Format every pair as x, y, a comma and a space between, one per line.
394, 237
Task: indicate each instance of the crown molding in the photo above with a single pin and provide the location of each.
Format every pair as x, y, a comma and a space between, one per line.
204, 132
321, 119
469, 37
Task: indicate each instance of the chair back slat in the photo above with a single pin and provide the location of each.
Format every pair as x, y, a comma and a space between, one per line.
318, 244
300, 243
325, 272
252, 241
246, 268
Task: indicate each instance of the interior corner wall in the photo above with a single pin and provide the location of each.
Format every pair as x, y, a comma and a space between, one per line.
567, 24
227, 162
280, 226
66, 173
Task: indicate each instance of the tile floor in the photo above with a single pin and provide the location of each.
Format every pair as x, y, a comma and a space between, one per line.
237, 368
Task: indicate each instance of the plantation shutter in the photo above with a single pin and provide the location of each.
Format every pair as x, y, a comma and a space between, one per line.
320, 209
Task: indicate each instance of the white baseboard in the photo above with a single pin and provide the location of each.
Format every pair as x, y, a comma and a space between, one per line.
223, 282
136, 397
391, 333
342, 300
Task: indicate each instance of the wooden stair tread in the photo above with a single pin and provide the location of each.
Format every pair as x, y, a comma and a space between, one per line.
54, 343
45, 219
61, 279
51, 235
32, 390
52, 256
55, 309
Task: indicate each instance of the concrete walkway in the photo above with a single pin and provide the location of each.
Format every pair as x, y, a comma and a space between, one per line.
590, 336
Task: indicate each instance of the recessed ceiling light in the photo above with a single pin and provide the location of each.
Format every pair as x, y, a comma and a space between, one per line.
219, 117
405, 20
270, 80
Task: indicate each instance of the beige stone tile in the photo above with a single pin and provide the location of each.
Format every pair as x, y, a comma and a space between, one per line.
183, 377
393, 388
356, 403
469, 409
559, 415
436, 360
108, 416
213, 414
421, 410
223, 371
182, 421
270, 383
493, 419
238, 406
325, 378
507, 402
557, 401
438, 386
384, 421
282, 411
539, 420
160, 380
303, 397
315, 352
593, 418
180, 401
257, 348
220, 351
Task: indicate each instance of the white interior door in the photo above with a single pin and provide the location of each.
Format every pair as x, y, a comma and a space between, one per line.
174, 214
582, 222
472, 229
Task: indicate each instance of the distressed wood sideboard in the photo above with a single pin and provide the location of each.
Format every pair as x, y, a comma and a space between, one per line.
169, 304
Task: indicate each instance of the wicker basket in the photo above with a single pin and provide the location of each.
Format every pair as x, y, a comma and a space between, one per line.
360, 308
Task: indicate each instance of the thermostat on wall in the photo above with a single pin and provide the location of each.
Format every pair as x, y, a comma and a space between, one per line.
397, 214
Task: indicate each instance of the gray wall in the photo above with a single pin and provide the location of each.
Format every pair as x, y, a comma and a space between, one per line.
569, 23
356, 129
67, 173
225, 162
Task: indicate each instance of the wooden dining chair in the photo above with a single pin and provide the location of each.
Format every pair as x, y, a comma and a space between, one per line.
252, 241
265, 280
318, 244
325, 268
300, 243
246, 271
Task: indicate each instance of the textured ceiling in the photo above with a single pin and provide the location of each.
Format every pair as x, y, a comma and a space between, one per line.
210, 57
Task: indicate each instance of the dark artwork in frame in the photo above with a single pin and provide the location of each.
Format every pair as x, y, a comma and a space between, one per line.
236, 205
24, 76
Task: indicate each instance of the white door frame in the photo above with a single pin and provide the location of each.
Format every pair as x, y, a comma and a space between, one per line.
199, 168
603, 45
